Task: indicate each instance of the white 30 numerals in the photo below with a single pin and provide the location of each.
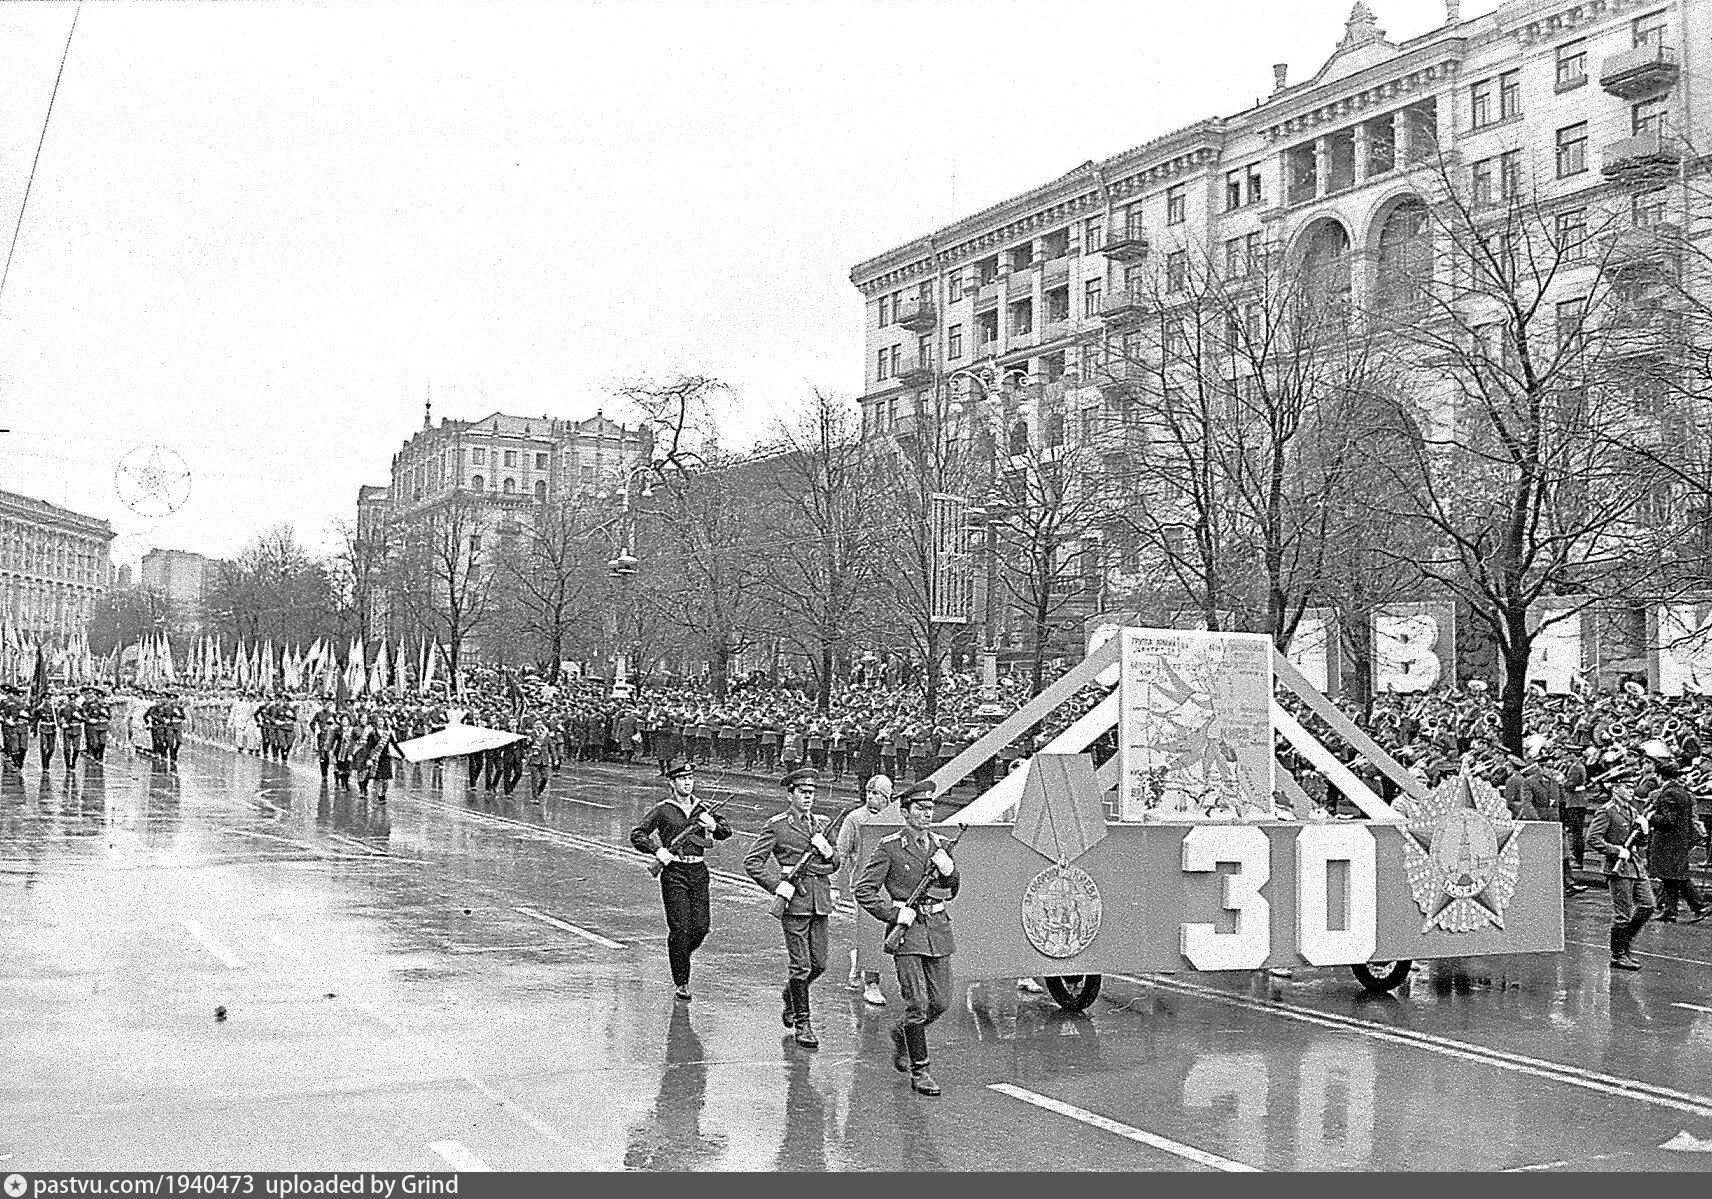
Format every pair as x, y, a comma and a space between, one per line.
1247, 848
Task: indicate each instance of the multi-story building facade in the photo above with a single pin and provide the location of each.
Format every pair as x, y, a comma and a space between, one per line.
53, 566
186, 580
1586, 105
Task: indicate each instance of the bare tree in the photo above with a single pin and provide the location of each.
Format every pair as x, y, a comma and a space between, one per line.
274, 591
357, 577
444, 574
556, 577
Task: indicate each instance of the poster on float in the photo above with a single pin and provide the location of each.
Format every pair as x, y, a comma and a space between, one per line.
1414, 646
1195, 725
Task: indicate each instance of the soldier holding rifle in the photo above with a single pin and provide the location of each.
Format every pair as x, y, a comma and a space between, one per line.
794, 858
905, 885
677, 832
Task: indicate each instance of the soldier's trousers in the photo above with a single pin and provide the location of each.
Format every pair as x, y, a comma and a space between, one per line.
15, 743
475, 761
805, 943
683, 891
45, 739
926, 986
71, 747
493, 768
95, 741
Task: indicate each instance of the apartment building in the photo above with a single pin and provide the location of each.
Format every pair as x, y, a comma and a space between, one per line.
53, 566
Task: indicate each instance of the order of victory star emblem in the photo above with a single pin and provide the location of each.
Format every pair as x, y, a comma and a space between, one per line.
1461, 854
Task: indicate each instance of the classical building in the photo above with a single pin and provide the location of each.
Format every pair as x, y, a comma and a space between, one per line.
185, 579
1587, 107
53, 566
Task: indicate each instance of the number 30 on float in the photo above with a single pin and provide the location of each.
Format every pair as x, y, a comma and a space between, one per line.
1249, 848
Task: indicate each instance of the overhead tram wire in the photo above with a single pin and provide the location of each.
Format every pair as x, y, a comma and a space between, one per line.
24, 204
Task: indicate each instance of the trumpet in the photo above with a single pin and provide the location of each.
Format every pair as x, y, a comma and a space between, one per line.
1616, 732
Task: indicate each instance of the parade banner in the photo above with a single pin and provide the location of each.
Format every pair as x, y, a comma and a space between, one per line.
1315, 650
1103, 628
1414, 646
454, 740
1194, 726
1679, 648
1556, 658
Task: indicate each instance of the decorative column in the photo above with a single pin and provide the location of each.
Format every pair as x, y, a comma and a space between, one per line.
1401, 138
1360, 151
1322, 167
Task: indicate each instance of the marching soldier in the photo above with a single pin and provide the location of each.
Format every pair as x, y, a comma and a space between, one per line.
284, 720
923, 959
264, 726
68, 713
540, 759
97, 716
666, 834
14, 725
324, 725
166, 720
42, 720
1618, 833
791, 838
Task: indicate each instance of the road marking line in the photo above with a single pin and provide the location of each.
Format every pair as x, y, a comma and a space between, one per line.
584, 933
1175, 1148
1694, 1007
1592, 1080
459, 1157
1642, 953
221, 954
588, 802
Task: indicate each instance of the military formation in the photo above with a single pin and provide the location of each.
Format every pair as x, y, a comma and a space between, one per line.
79, 725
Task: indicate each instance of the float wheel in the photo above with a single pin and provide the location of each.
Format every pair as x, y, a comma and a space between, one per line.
1074, 992
1380, 977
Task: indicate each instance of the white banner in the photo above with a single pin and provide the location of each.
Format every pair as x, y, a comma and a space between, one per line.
456, 739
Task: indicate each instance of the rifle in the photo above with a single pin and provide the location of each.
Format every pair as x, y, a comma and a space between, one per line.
654, 866
896, 932
779, 903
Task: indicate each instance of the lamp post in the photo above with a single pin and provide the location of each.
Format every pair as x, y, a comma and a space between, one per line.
622, 566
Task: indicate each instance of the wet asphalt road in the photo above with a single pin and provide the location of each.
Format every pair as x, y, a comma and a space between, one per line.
450, 981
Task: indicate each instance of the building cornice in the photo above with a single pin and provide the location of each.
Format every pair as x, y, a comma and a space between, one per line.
41, 512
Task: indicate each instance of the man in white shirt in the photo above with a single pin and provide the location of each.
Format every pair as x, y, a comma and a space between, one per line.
876, 797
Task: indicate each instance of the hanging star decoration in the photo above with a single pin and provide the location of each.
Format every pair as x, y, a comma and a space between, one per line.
1462, 856
152, 481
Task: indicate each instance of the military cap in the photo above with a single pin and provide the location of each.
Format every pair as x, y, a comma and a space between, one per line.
678, 768
916, 792
805, 775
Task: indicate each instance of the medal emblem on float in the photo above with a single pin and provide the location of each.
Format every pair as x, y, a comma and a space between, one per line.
1462, 856
1060, 817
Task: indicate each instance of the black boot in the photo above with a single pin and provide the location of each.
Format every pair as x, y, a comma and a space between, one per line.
900, 1049
789, 1014
920, 1080
805, 1030
1620, 959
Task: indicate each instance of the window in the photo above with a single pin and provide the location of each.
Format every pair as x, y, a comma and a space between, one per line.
1480, 104
1254, 191
1022, 257
987, 327
541, 491
954, 342
1090, 423
1233, 190
1054, 430
1480, 183
885, 311
1571, 150
1569, 321
1510, 174
478, 457
511, 487
1176, 205
897, 353
880, 366
1649, 116
1572, 235
1055, 245
1057, 305
1092, 230
1233, 257
1509, 95
924, 350
511, 457
1647, 208
475, 544
1177, 270
1572, 64
986, 270
540, 462
954, 286
1254, 254
476, 483
1132, 222
1649, 28
1091, 298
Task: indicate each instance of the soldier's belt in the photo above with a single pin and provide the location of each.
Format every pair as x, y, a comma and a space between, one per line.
931, 909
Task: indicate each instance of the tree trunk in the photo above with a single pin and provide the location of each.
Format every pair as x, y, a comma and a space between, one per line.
1517, 646
823, 701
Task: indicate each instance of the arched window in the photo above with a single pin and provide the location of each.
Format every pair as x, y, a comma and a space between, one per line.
1405, 258
511, 487
476, 483
1019, 438
1325, 267
1055, 430
541, 491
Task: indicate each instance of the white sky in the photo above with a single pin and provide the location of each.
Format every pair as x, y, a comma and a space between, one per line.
259, 231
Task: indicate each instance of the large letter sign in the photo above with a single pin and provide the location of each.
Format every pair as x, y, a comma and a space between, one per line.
1247, 847
1317, 846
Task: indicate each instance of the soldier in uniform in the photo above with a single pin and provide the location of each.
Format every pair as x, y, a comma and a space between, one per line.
14, 725
325, 727
284, 721
1617, 832
97, 716
68, 713
264, 726
785, 841
923, 960
540, 759
683, 874
166, 718
42, 721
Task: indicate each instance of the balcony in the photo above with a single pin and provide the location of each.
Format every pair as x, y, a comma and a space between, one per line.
1645, 250
1648, 69
987, 294
1121, 381
1126, 245
1056, 270
904, 428
1020, 283
1642, 160
1651, 332
916, 372
1056, 329
918, 316
1122, 307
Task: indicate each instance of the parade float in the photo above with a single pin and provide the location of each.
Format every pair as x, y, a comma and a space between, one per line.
1192, 848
